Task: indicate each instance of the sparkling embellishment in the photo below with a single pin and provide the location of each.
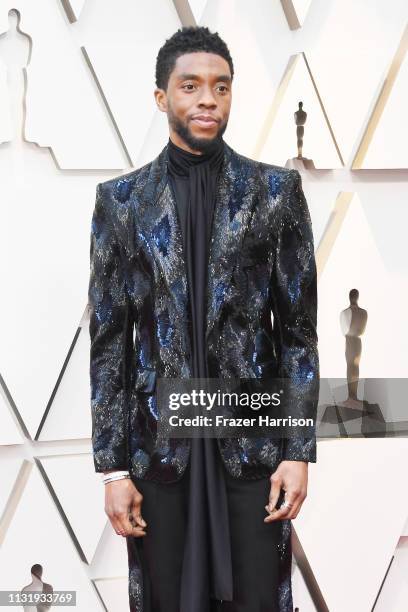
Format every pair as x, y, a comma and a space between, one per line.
261, 264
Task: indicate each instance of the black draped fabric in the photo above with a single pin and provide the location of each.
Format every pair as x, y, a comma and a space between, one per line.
207, 566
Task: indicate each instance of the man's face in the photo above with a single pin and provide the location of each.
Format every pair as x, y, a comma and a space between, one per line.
197, 100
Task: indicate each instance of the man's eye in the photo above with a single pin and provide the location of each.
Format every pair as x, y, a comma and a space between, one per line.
188, 85
224, 87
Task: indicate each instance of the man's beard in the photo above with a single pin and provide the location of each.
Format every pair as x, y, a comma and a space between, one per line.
203, 145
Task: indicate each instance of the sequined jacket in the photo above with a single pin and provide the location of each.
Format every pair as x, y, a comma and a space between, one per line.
261, 266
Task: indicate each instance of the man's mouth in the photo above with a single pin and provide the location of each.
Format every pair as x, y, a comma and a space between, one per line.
205, 122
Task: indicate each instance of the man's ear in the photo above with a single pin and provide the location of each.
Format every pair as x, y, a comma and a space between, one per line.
160, 97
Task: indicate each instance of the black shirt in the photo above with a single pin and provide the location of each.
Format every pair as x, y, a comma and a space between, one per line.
207, 567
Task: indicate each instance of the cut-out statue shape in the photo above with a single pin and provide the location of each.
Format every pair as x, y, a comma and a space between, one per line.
300, 162
300, 120
15, 51
353, 321
37, 586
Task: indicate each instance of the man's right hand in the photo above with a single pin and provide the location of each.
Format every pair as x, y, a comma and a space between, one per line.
123, 504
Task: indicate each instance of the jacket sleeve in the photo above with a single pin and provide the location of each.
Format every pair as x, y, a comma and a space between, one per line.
111, 336
294, 299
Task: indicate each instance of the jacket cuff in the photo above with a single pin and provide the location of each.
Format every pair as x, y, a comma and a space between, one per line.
102, 463
299, 449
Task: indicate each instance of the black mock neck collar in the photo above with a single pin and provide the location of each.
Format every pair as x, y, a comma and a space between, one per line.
182, 158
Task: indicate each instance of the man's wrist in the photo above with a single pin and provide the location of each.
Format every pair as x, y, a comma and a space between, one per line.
111, 475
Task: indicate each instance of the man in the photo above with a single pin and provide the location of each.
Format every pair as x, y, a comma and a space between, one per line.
191, 255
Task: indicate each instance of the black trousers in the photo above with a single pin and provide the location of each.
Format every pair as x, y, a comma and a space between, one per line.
254, 545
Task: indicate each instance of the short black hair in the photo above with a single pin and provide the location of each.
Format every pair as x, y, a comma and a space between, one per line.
188, 39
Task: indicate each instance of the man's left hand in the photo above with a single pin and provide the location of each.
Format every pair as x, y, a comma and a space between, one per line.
291, 476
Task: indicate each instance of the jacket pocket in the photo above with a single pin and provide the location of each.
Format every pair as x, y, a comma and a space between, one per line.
145, 381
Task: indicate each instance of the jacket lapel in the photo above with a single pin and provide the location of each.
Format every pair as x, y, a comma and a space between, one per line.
162, 232
233, 211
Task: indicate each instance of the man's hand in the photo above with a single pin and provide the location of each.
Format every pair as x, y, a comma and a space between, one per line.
123, 504
291, 476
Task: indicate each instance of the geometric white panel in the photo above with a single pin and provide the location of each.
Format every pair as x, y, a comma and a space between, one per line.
45, 224
70, 476
115, 594
111, 557
37, 534
9, 432
296, 11
390, 395
133, 126
76, 6
356, 262
394, 594
388, 146
9, 469
64, 108
301, 595
6, 130
320, 197
301, 8
197, 8
350, 46
318, 143
124, 61
70, 413
353, 490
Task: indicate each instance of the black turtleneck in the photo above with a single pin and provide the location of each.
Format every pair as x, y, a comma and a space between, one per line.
193, 178
207, 566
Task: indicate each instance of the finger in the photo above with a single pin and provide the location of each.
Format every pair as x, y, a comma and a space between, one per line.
127, 528
134, 521
114, 524
288, 511
136, 518
276, 484
295, 500
300, 501
132, 531
137, 532
136, 512
277, 515
138, 524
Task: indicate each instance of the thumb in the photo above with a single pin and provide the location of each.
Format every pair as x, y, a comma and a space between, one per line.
140, 521
135, 512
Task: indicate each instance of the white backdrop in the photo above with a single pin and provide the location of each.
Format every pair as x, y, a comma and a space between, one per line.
76, 108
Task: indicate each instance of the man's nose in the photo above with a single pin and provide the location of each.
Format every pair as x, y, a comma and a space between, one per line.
207, 97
